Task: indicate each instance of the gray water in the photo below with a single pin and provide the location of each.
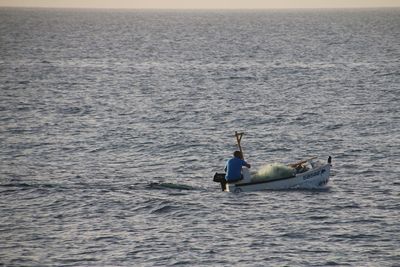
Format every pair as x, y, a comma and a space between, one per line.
97, 105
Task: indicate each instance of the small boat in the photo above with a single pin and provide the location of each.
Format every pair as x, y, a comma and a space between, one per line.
305, 174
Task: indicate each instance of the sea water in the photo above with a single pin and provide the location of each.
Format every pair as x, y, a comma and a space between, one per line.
98, 106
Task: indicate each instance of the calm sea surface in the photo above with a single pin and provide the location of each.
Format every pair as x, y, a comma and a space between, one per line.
97, 105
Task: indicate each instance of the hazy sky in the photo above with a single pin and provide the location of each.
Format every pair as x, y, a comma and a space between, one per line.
203, 4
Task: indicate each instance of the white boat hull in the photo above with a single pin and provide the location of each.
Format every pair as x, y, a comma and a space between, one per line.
316, 177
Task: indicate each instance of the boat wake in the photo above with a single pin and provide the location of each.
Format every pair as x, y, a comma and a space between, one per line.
170, 186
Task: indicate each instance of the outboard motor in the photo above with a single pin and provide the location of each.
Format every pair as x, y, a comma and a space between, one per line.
220, 178
330, 160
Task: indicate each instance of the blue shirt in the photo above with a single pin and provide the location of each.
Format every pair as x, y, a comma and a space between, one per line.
233, 169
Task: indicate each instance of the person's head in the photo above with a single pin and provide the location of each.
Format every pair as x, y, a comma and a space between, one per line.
237, 154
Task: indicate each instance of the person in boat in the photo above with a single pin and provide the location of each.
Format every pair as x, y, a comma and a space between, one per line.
233, 167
